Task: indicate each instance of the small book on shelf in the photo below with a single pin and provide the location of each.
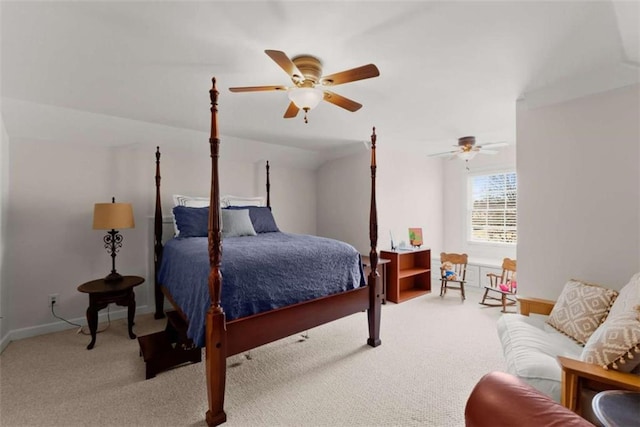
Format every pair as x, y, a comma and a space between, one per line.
415, 237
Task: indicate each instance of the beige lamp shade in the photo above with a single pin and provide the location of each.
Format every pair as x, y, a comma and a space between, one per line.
116, 216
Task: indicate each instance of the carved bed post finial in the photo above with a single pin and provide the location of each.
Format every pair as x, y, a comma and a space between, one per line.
157, 243
268, 187
216, 336
375, 287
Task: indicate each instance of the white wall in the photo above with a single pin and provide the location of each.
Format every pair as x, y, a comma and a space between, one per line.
578, 190
409, 194
4, 188
343, 190
53, 187
293, 197
455, 204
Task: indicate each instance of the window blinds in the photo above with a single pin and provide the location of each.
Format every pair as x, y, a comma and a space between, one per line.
493, 208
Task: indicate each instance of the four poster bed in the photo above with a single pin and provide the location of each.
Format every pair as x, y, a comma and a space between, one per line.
226, 334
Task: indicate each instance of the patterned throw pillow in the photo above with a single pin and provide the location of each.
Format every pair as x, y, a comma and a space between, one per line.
616, 343
580, 309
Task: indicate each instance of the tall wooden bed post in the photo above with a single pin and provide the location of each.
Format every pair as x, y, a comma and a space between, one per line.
215, 335
157, 243
268, 187
375, 287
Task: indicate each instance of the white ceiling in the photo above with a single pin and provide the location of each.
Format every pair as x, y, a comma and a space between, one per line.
96, 70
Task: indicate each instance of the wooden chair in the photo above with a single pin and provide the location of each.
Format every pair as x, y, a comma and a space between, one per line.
494, 292
459, 268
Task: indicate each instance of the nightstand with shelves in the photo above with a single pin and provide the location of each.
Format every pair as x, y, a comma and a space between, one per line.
408, 274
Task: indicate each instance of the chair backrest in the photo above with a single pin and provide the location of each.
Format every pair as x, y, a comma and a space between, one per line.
458, 261
508, 270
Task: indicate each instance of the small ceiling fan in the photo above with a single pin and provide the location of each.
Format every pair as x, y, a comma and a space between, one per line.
309, 85
467, 149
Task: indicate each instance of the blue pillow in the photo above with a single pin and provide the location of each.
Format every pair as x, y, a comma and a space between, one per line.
261, 218
192, 222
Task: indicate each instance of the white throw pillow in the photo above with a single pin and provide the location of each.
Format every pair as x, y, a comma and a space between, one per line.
228, 200
629, 297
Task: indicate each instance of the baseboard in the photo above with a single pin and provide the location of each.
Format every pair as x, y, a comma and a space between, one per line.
4, 342
32, 331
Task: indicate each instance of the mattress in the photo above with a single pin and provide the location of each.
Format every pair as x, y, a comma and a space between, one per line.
259, 273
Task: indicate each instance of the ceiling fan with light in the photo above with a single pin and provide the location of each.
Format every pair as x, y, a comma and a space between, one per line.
309, 85
467, 149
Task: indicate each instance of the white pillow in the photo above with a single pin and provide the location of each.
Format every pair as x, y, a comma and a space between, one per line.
226, 201
190, 202
628, 298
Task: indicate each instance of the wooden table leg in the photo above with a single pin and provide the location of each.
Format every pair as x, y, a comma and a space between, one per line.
92, 321
131, 312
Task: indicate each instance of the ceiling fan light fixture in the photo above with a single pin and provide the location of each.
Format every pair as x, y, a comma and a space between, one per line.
305, 98
467, 155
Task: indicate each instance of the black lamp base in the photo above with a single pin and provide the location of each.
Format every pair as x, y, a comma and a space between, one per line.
113, 277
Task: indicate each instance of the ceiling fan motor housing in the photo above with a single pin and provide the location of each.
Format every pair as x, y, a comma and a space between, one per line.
309, 66
467, 141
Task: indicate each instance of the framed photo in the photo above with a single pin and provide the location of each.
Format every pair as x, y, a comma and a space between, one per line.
415, 237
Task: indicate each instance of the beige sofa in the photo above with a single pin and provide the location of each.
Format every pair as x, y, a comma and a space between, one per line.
563, 361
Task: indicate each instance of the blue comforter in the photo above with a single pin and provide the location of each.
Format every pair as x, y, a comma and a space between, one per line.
259, 273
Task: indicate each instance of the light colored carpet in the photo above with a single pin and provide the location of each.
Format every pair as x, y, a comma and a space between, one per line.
433, 352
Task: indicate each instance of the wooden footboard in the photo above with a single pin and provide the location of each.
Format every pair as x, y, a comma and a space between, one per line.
249, 332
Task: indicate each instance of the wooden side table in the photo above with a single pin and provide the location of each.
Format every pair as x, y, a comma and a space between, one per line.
102, 293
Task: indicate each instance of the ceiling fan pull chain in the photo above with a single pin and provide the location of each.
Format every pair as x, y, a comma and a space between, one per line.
306, 110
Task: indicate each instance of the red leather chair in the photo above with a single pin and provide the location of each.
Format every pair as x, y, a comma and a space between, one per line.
501, 399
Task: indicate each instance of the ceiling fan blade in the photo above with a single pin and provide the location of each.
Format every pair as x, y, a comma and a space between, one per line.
494, 144
352, 75
445, 154
256, 88
483, 151
292, 111
286, 64
341, 101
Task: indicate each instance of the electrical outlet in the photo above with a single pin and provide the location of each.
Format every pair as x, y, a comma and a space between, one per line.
53, 299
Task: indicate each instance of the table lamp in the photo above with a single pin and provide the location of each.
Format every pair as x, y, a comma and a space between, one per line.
113, 216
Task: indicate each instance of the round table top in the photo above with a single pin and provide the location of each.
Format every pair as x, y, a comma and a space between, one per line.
617, 408
100, 285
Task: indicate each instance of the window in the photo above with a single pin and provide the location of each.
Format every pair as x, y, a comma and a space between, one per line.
492, 208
